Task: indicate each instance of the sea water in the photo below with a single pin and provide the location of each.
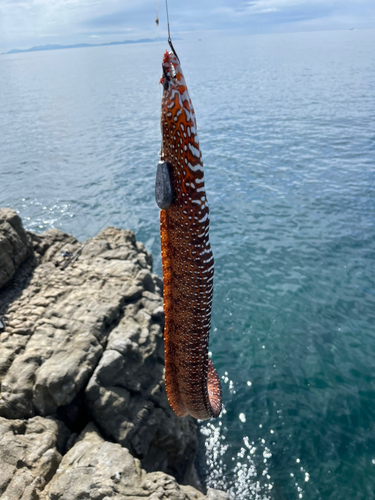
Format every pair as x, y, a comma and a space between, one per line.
287, 130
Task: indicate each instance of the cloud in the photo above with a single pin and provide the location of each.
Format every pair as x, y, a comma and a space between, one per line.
264, 16
304, 8
24, 23
118, 18
73, 21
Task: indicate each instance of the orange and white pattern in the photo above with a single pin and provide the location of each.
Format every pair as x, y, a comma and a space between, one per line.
192, 384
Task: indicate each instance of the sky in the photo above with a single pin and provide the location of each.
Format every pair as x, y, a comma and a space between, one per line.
25, 23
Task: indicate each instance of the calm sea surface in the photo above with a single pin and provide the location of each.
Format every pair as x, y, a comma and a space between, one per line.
287, 130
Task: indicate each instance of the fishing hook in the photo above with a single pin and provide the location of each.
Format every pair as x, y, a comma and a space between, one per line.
169, 33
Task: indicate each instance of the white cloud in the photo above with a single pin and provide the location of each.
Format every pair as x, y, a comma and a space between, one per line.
25, 23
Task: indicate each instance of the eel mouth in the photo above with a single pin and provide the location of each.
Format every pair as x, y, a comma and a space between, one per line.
170, 70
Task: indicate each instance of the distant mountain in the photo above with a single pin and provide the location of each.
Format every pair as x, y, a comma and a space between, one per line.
78, 46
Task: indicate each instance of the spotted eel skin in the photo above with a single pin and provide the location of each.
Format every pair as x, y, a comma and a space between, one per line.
192, 383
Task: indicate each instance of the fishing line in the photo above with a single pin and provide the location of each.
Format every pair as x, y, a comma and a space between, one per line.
169, 32
158, 37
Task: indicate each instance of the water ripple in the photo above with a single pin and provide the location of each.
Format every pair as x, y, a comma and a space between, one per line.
286, 126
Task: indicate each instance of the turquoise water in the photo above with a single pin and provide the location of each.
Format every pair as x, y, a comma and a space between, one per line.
287, 130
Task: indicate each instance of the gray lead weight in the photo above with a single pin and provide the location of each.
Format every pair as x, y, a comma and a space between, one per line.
163, 186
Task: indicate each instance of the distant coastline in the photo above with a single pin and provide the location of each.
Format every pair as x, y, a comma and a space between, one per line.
39, 48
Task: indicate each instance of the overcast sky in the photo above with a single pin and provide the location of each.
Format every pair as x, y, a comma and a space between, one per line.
24, 23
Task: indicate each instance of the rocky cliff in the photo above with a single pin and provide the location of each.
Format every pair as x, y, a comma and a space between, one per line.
83, 409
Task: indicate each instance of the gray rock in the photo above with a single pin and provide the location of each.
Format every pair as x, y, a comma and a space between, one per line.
48, 246
217, 495
95, 326
30, 453
97, 469
126, 394
14, 244
58, 326
10, 216
83, 339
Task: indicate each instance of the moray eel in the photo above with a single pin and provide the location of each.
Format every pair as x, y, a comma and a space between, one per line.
192, 383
